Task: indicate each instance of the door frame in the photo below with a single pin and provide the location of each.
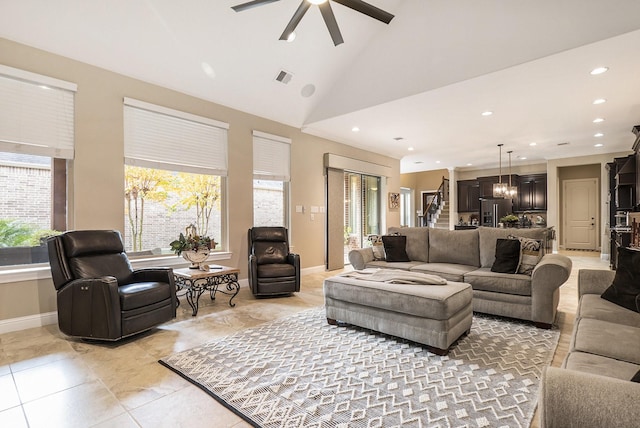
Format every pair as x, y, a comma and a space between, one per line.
597, 218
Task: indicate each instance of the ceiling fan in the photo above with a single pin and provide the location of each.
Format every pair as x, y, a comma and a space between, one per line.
327, 14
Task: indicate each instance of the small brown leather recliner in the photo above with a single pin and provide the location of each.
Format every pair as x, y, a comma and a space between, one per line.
99, 295
273, 270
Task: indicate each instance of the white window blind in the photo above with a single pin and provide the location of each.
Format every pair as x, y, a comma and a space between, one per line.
271, 157
36, 114
162, 138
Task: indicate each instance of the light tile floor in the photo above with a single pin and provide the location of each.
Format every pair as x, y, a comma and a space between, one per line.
47, 380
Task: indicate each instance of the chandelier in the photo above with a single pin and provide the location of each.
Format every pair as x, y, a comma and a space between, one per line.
499, 189
512, 191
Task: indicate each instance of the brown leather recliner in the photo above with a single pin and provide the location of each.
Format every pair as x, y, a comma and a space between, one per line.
99, 295
273, 270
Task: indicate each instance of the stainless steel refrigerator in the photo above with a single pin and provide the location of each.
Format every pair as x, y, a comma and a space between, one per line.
492, 210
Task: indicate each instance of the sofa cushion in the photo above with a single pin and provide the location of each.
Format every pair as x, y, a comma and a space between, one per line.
417, 241
607, 339
454, 246
391, 265
507, 256
610, 367
626, 284
448, 271
375, 242
531, 252
484, 279
489, 235
395, 248
594, 307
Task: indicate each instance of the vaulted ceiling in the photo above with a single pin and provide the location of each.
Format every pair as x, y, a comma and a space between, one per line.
421, 82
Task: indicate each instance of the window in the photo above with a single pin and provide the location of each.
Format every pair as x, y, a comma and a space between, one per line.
175, 176
36, 142
271, 175
362, 208
406, 218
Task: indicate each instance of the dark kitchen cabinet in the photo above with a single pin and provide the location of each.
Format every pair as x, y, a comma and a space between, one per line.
636, 149
486, 184
532, 192
468, 196
625, 191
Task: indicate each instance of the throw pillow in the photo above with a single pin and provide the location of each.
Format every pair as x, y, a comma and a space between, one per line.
625, 288
507, 256
377, 247
531, 252
395, 248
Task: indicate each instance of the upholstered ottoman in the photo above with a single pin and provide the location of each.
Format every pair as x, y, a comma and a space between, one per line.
433, 315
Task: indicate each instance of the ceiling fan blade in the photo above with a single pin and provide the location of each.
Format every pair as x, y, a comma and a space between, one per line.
295, 19
251, 4
332, 24
367, 9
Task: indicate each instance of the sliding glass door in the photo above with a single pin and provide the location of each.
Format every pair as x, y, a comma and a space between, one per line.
362, 205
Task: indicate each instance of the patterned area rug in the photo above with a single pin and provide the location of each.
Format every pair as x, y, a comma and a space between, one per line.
301, 372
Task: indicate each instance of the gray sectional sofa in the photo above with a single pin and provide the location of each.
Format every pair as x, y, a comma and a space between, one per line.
593, 387
467, 256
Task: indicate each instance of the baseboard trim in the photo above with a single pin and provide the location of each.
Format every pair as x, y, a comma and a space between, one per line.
313, 269
31, 321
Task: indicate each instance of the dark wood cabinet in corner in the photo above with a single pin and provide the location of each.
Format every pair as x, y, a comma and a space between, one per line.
468, 196
532, 192
636, 149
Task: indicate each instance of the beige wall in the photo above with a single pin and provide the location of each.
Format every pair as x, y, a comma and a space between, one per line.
422, 182
96, 178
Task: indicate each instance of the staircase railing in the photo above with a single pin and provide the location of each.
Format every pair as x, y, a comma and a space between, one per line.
442, 194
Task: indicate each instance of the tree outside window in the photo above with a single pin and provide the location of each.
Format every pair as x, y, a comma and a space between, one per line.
160, 204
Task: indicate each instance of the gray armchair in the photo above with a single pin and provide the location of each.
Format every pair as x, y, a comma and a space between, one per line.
99, 295
273, 270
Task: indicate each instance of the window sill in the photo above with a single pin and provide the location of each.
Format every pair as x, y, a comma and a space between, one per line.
42, 271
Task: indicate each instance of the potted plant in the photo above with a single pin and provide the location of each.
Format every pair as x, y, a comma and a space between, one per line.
510, 220
193, 247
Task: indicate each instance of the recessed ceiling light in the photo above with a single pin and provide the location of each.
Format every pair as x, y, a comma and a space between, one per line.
533, 144
598, 135
355, 129
523, 157
599, 70
469, 164
437, 161
487, 113
598, 120
598, 145
410, 149
208, 70
599, 101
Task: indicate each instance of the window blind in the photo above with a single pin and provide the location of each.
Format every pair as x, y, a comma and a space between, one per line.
271, 157
36, 114
162, 138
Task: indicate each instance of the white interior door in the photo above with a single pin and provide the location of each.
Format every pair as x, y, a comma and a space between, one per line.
581, 214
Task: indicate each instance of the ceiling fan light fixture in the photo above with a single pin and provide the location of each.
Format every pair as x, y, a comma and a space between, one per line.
317, 1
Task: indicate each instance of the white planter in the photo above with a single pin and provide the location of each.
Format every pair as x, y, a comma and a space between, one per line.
196, 257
